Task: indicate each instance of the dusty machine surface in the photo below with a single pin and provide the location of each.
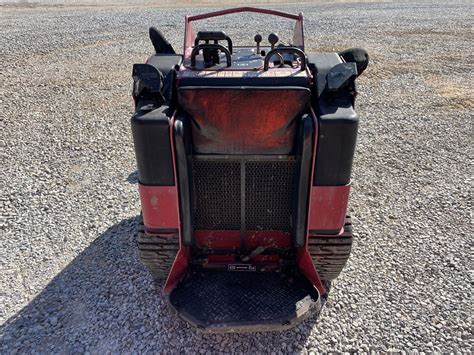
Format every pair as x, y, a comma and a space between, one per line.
244, 159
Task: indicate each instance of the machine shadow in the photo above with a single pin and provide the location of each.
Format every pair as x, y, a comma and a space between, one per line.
105, 300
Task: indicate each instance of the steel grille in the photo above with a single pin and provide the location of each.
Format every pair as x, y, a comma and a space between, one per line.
268, 194
218, 194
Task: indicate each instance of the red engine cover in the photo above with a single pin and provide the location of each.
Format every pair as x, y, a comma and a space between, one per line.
243, 120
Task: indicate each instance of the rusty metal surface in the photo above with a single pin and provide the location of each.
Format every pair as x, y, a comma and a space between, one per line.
243, 120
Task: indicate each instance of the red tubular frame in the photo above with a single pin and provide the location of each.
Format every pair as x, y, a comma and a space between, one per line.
243, 9
189, 36
181, 261
304, 260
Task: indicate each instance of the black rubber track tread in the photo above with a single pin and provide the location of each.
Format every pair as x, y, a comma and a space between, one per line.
330, 253
156, 252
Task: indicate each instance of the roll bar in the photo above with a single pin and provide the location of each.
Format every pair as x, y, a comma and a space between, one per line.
189, 36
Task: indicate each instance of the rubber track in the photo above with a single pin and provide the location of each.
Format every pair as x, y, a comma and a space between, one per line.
157, 252
330, 253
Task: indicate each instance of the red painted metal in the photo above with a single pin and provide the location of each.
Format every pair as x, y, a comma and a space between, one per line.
306, 266
268, 239
159, 206
328, 207
243, 9
221, 258
250, 121
230, 239
266, 258
178, 269
182, 259
189, 36
303, 258
217, 239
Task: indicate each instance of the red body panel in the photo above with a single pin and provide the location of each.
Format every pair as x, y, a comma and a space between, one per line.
230, 239
268, 239
179, 267
306, 266
328, 207
212, 239
159, 206
250, 121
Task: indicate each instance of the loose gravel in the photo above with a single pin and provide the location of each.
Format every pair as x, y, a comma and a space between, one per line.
70, 278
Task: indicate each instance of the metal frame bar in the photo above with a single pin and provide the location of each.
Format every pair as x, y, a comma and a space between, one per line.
243, 157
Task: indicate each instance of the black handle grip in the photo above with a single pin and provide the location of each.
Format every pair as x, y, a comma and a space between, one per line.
213, 36
279, 50
199, 47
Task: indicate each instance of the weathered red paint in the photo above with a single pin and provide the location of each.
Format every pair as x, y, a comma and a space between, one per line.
217, 239
243, 9
159, 206
306, 266
180, 265
230, 239
267, 258
268, 239
189, 35
250, 121
328, 207
221, 258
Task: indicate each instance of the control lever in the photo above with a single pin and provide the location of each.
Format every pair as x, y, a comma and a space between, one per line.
273, 39
254, 253
258, 39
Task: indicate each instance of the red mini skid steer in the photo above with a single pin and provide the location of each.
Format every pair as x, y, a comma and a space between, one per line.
244, 159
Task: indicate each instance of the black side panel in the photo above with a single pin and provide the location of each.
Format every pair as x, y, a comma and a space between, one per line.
305, 155
336, 144
320, 64
337, 120
159, 42
358, 56
151, 136
164, 62
167, 65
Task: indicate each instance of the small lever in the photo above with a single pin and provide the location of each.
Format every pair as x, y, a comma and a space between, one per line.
254, 253
258, 39
273, 39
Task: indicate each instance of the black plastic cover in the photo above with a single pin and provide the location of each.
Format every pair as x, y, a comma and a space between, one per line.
147, 82
320, 64
338, 123
151, 135
159, 41
341, 76
182, 139
304, 154
167, 65
337, 120
165, 62
358, 56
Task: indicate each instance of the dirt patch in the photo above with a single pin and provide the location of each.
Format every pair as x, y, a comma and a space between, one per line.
453, 94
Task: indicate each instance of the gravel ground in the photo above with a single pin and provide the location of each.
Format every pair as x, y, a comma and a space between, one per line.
70, 278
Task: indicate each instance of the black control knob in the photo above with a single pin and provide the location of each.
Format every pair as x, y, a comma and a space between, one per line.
258, 39
273, 39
